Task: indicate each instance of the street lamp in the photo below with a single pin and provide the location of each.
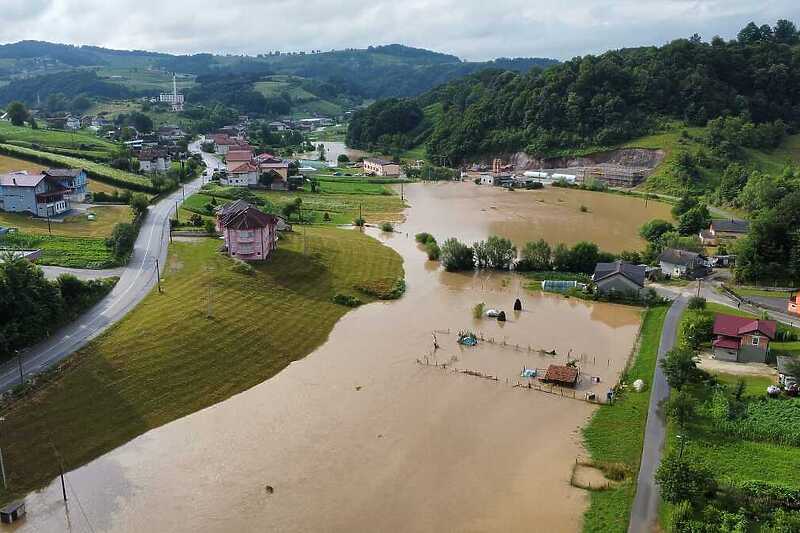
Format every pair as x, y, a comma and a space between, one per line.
682, 439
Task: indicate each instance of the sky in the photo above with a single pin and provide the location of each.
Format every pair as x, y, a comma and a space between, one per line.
470, 29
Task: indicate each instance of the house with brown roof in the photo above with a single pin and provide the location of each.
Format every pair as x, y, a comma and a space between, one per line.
250, 234
243, 175
742, 339
683, 264
154, 161
565, 376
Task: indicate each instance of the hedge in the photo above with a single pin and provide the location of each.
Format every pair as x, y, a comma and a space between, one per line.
104, 173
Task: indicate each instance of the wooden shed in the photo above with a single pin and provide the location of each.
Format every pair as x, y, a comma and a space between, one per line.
566, 376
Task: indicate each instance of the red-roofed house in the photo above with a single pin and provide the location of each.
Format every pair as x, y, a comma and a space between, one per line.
742, 339
250, 234
243, 175
223, 142
275, 167
236, 155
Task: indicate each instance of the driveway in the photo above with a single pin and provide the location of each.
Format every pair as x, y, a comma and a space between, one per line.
644, 513
136, 281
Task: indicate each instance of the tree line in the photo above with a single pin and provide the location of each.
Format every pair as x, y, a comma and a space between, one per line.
604, 100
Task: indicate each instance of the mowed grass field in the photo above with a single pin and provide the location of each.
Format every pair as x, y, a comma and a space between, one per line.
167, 358
56, 138
11, 164
73, 226
341, 200
615, 434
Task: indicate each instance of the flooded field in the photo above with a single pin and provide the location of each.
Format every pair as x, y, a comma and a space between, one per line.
333, 149
360, 436
473, 212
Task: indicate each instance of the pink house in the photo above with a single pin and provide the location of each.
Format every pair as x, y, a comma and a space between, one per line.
250, 234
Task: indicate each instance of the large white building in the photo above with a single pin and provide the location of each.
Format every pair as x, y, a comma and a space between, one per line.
174, 98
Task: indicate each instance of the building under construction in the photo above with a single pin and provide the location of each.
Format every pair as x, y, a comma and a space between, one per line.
616, 175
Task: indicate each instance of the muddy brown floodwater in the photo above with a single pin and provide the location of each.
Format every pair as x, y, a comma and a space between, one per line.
472, 212
359, 436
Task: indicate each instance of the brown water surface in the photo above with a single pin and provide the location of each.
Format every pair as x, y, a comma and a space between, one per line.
359, 436
473, 212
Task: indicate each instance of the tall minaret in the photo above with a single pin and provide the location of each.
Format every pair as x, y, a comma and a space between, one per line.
174, 89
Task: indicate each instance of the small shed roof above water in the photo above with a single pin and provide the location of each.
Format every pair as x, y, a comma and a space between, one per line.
562, 375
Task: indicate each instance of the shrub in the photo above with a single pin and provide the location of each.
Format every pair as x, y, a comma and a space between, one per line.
456, 255
122, 239
495, 252
697, 302
683, 480
195, 220
424, 238
697, 329
209, 227
433, 251
359, 222
242, 267
584, 209
388, 227
384, 289
477, 311
346, 300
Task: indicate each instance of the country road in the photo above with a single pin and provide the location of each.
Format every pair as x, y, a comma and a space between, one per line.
644, 513
136, 280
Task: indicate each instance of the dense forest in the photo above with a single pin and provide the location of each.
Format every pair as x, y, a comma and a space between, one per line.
607, 99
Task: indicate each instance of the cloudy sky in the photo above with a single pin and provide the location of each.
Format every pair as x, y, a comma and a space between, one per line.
471, 29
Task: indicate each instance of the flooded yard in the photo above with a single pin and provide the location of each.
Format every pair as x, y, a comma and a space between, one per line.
473, 212
359, 436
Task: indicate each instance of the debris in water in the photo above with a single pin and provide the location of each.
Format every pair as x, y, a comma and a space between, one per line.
518, 305
358, 387
501, 317
269, 489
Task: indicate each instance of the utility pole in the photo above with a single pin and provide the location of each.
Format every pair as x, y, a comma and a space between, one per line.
47, 210
402, 195
177, 220
698, 287
19, 361
63, 485
158, 276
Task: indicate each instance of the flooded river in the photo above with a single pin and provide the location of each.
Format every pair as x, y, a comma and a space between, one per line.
361, 435
333, 149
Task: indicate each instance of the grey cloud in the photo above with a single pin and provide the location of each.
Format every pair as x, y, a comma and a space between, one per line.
472, 29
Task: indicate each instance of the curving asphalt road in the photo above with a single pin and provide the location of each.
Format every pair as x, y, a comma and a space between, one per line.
136, 280
644, 513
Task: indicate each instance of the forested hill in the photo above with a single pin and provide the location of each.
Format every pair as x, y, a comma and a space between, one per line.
374, 72
597, 100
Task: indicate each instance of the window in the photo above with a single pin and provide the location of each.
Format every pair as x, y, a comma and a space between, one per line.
755, 340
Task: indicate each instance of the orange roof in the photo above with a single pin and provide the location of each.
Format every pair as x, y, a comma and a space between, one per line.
561, 374
244, 168
238, 155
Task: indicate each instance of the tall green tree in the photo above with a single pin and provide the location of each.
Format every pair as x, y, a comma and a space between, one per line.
17, 113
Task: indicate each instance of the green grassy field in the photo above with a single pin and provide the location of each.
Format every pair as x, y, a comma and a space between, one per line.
342, 207
142, 79
615, 434
100, 172
78, 140
303, 101
145, 372
73, 226
58, 250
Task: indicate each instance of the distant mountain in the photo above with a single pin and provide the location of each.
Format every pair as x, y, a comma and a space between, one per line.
375, 72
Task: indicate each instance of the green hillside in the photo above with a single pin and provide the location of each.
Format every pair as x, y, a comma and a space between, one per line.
303, 102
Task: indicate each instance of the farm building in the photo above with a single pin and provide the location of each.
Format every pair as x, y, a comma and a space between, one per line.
566, 376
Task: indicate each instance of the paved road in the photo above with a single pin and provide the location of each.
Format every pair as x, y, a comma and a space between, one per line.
644, 514
136, 280
52, 272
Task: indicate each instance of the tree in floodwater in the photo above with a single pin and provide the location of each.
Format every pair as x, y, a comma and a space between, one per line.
455, 255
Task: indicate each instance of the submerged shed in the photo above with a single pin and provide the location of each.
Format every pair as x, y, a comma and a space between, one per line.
561, 375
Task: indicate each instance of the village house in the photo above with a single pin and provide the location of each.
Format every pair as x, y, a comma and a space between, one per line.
153, 161
787, 376
36, 194
720, 230
170, 133
619, 277
73, 180
249, 234
223, 142
276, 167
236, 157
381, 167
683, 264
742, 339
277, 126
243, 175
794, 304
